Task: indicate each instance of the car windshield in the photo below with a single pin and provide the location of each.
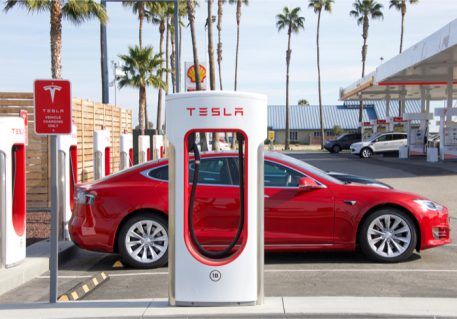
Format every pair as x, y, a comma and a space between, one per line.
341, 136
309, 168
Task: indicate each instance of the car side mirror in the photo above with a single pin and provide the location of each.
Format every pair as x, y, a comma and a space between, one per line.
307, 184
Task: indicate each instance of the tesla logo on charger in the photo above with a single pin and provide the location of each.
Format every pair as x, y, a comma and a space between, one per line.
17, 131
215, 111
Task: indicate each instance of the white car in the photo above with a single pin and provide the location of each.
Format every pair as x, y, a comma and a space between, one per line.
381, 143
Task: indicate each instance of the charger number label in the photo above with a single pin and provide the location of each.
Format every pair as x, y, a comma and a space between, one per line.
215, 275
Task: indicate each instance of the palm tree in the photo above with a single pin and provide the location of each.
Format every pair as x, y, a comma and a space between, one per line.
142, 68
318, 6
293, 23
400, 5
219, 42
191, 17
138, 8
76, 11
239, 3
363, 10
212, 72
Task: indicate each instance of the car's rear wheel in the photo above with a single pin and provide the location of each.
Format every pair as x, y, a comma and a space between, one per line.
336, 149
143, 241
388, 235
366, 152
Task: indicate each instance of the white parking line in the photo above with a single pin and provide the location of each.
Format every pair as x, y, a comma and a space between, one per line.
164, 273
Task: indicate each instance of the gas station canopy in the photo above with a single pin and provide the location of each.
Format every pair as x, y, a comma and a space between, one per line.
425, 70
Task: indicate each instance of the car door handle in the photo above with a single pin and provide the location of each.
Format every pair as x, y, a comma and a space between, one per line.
266, 196
350, 202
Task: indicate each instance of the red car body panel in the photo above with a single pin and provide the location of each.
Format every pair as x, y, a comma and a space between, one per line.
320, 219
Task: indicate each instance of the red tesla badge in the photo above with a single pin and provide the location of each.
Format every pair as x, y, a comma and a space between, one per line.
52, 107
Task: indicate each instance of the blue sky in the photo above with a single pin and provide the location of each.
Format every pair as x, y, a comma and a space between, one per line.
25, 56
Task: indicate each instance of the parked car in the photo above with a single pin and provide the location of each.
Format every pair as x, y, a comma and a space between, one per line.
380, 144
342, 142
305, 210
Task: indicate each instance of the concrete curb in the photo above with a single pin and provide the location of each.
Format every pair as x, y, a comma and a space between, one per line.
84, 288
36, 263
274, 307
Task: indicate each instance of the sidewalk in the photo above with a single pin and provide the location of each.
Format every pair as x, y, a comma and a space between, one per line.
36, 263
274, 307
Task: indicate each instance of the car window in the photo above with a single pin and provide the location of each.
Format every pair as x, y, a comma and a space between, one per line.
384, 138
276, 175
399, 136
212, 171
159, 173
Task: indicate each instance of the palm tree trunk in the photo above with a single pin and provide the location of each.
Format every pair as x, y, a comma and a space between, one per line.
173, 57
321, 111
212, 72
141, 113
167, 64
159, 95
141, 18
238, 20
219, 43
364, 58
56, 39
403, 13
288, 54
191, 16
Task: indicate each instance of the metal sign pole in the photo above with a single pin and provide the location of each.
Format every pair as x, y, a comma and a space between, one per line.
54, 253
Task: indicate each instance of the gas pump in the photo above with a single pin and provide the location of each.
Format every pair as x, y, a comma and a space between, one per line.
158, 146
230, 272
417, 129
381, 126
367, 130
67, 146
396, 124
448, 132
12, 191
126, 151
144, 148
102, 153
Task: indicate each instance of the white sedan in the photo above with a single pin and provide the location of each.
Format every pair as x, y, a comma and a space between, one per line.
381, 143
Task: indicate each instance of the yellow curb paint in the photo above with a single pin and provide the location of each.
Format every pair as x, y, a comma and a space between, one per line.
95, 281
85, 288
74, 294
63, 298
103, 275
118, 264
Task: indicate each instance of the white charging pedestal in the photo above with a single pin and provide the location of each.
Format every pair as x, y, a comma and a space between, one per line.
67, 146
158, 146
144, 148
126, 151
195, 279
12, 191
102, 153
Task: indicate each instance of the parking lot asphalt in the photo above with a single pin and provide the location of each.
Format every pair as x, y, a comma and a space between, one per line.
432, 273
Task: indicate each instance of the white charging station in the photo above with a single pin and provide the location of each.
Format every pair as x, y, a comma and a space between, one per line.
417, 129
12, 191
448, 132
67, 146
158, 146
199, 276
126, 155
102, 153
144, 148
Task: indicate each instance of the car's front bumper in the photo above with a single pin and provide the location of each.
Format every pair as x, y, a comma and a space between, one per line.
436, 229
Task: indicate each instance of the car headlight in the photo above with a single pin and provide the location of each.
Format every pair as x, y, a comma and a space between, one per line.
429, 205
84, 198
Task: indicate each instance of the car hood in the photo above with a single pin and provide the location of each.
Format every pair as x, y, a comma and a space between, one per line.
360, 144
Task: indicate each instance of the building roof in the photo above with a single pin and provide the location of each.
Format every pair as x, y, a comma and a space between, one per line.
346, 116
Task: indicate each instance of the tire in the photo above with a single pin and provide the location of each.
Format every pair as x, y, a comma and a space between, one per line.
392, 244
336, 149
153, 251
366, 152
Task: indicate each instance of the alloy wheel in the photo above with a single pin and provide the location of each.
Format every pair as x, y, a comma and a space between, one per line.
146, 241
366, 152
389, 235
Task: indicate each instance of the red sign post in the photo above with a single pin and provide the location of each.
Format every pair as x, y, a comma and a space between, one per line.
52, 107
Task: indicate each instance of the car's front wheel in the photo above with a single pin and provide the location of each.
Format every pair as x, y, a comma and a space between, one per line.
336, 149
366, 152
143, 241
388, 235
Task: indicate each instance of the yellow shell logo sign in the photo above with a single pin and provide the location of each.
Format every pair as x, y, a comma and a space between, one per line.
191, 73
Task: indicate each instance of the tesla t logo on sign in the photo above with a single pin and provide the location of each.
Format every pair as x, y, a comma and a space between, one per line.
52, 107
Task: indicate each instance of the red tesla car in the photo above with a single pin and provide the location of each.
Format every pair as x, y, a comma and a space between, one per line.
305, 210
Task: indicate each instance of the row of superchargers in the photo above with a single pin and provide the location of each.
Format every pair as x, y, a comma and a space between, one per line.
13, 132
